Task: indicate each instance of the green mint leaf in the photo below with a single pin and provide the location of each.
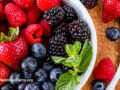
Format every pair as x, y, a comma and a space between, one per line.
86, 56
67, 81
61, 60
68, 49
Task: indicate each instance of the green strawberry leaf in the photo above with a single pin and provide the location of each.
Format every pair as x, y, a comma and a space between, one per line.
67, 81
3, 37
85, 56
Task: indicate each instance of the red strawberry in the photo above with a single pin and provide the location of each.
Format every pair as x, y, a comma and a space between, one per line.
15, 15
33, 15
3, 28
2, 13
46, 5
24, 3
34, 33
4, 73
105, 70
46, 27
111, 10
13, 49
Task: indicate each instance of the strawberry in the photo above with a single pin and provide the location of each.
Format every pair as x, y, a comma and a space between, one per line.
2, 13
46, 27
13, 49
105, 70
24, 3
46, 5
111, 10
33, 15
3, 28
4, 73
15, 15
34, 33
45, 42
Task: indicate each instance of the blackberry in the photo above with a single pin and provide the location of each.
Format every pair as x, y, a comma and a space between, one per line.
70, 14
89, 3
57, 45
54, 16
79, 31
65, 68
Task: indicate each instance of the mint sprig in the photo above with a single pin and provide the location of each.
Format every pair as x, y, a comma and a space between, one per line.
79, 62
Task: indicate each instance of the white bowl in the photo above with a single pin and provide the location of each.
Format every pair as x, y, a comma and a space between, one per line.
84, 15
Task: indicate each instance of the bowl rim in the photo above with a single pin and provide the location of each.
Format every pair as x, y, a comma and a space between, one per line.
85, 16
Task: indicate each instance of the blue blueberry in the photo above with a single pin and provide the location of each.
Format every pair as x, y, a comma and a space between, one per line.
29, 64
27, 75
31, 86
8, 87
47, 66
38, 50
48, 85
15, 78
113, 33
22, 86
98, 85
40, 75
55, 74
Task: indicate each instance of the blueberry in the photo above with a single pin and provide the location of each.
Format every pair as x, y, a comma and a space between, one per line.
27, 75
22, 86
98, 85
15, 78
112, 33
32, 86
47, 66
40, 75
38, 50
55, 74
8, 87
29, 64
48, 85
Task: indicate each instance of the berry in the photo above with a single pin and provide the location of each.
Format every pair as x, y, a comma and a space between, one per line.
21, 86
98, 85
2, 13
13, 52
65, 68
32, 86
27, 75
29, 64
34, 33
40, 75
113, 33
15, 15
47, 66
48, 86
3, 28
8, 87
79, 30
54, 16
55, 74
15, 77
110, 10
24, 3
105, 70
38, 50
70, 14
45, 42
89, 3
4, 72
57, 45
33, 15
46, 5
46, 27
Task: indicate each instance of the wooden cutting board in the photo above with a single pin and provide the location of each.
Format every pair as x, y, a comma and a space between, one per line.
106, 48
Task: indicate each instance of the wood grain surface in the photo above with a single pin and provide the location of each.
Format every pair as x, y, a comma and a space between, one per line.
106, 48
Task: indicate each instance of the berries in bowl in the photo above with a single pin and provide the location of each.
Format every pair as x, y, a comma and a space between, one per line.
58, 49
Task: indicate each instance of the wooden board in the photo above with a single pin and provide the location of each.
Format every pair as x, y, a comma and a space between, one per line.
106, 48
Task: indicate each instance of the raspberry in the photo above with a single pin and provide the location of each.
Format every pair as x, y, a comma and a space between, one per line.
46, 5
34, 33
70, 14
89, 3
46, 27
54, 16
57, 45
33, 15
79, 30
105, 70
2, 13
3, 29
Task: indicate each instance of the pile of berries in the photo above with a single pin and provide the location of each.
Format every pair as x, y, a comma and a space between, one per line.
38, 31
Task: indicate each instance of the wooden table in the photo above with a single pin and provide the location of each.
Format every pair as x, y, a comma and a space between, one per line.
106, 48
